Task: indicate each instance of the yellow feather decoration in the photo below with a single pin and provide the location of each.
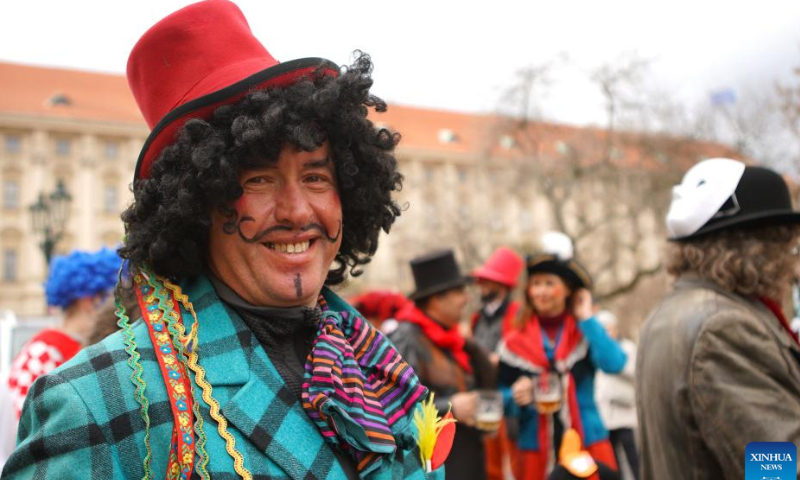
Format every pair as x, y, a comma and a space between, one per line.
429, 424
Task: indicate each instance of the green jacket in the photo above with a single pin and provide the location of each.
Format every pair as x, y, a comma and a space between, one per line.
83, 421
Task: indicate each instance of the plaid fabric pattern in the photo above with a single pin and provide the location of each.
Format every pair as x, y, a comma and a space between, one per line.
82, 420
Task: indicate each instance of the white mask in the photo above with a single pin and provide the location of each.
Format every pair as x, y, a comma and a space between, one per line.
704, 190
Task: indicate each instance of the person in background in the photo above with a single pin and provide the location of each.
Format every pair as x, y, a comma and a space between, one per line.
454, 368
496, 279
105, 322
548, 362
717, 365
77, 284
261, 185
575, 463
616, 400
379, 306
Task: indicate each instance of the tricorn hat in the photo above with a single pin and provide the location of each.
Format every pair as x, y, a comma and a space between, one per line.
720, 193
556, 258
435, 272
196, 60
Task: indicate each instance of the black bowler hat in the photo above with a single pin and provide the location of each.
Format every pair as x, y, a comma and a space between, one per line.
435, 272
717, 194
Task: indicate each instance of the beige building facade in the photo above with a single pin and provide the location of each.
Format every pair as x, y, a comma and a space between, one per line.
61, 126
466, 186
93, 160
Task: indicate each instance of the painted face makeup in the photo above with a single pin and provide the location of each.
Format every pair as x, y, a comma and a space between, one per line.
288, 232
280, 228
548, 293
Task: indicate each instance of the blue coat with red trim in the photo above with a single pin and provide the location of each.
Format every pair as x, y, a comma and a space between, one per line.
603, 352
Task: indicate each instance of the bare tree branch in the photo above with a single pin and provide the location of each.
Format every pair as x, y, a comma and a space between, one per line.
629, 286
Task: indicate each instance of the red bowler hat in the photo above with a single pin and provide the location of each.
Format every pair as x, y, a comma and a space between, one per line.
197, 59
503, 266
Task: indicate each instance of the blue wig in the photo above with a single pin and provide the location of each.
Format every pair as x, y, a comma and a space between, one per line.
81, 274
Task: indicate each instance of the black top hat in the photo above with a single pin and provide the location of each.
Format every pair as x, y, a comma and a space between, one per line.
435, 272
760, 198
570, 270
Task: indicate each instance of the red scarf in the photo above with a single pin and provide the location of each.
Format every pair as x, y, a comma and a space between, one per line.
776, 310
527, 344
552, 325
449, 339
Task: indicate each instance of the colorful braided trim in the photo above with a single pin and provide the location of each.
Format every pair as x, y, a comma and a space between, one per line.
200, 374
154, 302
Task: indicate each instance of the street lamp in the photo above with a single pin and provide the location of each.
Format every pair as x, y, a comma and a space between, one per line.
49, 217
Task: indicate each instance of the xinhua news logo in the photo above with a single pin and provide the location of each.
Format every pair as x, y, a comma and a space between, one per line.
770, 461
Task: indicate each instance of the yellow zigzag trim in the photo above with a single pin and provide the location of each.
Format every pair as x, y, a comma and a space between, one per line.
200, 378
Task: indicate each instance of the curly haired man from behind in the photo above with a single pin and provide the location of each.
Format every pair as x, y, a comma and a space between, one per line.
261, 185
718, 366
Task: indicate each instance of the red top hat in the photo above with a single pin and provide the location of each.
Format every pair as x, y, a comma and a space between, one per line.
503, 266
197, 59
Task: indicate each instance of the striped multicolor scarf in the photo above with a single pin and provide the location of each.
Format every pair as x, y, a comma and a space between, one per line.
359, 390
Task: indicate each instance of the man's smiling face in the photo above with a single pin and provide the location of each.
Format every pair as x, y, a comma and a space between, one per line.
288, 231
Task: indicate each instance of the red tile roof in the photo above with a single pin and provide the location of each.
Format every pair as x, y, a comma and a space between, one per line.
91, 96
99, 96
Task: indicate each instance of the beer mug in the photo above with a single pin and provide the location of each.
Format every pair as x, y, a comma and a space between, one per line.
547, 392
489, 413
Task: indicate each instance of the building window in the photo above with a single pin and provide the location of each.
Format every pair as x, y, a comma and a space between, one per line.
462, 175
507, 142
59, 98
447, 136
525, 221
110, 199
13, 143
112, 150
562, 147
464, 215
10, 265
429, 173
63, 146
432, 216
10, 194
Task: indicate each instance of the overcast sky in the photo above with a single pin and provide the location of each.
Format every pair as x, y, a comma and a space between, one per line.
455, 55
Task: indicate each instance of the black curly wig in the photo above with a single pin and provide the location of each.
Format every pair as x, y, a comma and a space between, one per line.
168, 224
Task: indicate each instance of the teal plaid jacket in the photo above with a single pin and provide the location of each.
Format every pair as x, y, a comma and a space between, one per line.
82, 420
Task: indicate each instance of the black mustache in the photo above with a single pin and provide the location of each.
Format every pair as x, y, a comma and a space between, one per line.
285, 228
322, 231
